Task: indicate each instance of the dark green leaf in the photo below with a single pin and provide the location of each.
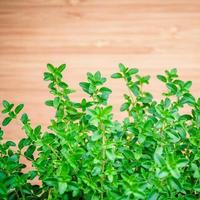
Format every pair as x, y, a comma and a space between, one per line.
187, 85
10, 144
6, 121
19, 108
61, 68
172, 87
162, 78
6, 104
23, 142
49, 103
29, 152
48, 76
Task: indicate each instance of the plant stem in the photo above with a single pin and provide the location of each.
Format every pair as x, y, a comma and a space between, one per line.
23, 197
103, 158
49, 194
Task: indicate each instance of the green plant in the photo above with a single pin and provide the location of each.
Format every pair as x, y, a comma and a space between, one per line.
152, 154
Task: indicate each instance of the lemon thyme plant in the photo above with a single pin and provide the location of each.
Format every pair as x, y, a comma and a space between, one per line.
86, 155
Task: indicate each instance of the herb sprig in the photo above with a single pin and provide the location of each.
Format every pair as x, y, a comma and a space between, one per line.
85, 154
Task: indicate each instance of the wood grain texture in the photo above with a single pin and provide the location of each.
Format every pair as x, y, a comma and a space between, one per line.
91, 35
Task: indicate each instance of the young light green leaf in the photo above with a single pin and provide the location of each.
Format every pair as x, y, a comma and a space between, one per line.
62, 187
24, 118
133, 71
116, 75
51, 68
124, 107
122, 68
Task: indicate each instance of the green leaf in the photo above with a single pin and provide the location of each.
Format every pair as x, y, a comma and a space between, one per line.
172, 87
135, 89
196, 170
62, 187
6, 104
187, 85
96, 171
49, 103
56, 102
175, 172
107, 110
51, 68
158, 156
173, 136
63, 85
153, 196
24, 118
96, 136
23, 142
138, 153
133, 71
97, 75
182, 163
105, 90
19, 108
124, 107
116, 75
162, 78
139, 195
185, 117
51, 181
1, 133
32, 174
85, 86
197, 187
162, 173
61, 68
188, 99
10, 144
29, 152
37, 131
6, 121
48, 76
122, 68
110, 154
174, 183
132, 129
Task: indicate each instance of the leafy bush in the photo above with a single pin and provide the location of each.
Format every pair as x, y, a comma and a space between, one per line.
152, 154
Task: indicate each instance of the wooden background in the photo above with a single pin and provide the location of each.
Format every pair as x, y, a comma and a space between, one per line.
91, 35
